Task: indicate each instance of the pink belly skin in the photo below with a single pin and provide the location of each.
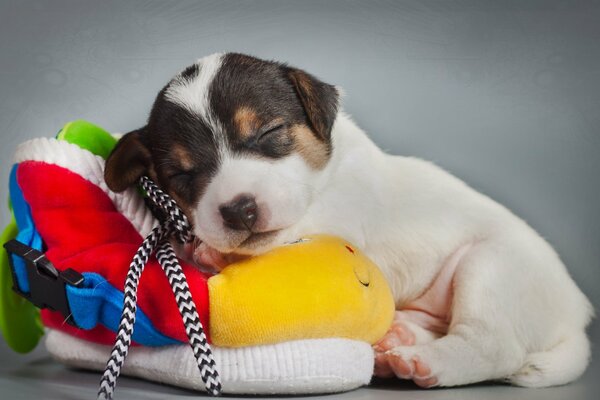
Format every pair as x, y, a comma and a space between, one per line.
433, 309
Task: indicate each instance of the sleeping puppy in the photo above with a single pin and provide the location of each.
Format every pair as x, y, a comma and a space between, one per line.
258, 153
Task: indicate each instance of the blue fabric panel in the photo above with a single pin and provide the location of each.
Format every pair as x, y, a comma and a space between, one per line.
98, 302
27, 233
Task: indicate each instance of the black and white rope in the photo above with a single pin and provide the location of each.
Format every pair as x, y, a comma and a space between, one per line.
190, 317
176, 225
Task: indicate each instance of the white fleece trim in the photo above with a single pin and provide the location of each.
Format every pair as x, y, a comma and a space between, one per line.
294, 367
91, 168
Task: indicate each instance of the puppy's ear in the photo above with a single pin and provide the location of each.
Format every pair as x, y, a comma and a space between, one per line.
319, 99
129, 160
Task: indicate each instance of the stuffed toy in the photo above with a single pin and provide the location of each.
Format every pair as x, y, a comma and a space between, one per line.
299, 319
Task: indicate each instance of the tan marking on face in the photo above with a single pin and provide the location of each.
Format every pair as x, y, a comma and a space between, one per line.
314, 151
182, 156
246, 121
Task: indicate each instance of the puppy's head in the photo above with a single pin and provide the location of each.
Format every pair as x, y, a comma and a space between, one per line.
239, 143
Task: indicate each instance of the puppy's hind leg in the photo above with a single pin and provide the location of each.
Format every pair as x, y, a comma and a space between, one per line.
482, 343
456, 359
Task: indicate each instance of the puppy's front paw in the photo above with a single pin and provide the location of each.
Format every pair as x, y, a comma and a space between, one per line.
399, 334
407, 363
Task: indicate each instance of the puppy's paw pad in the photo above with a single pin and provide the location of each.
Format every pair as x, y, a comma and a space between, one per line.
398, 335
422, 370
407, 366
382, 367
426, 383
401, 367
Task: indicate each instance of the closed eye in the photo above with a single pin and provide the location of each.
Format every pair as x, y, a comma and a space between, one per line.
271, 131
181, 174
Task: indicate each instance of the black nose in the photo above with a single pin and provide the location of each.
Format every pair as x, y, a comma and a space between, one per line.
240, 214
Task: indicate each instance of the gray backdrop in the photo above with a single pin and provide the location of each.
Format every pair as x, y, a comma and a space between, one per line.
504, 94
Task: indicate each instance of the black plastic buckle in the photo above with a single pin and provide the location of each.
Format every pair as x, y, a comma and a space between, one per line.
46, 283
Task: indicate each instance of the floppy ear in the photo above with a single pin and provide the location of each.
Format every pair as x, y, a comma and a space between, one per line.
319, 99
129, 160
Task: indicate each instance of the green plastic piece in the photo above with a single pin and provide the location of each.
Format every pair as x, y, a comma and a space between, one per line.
89, 137
20, 321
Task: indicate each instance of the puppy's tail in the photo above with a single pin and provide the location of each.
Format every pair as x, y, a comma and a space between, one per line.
560, 365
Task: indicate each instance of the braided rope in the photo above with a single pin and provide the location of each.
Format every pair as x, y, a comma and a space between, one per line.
189, 314
177, 225
176, 220
123, 340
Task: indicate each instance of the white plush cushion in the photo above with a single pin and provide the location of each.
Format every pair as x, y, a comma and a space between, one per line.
295, 367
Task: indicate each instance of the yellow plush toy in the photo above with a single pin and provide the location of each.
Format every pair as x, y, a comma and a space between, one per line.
318, 287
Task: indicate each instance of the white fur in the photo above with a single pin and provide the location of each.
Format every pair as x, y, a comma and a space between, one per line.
279, 188
516, 313
192, 94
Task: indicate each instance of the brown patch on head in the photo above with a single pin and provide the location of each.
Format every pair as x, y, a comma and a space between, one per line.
316, 152
183, 157
246, 121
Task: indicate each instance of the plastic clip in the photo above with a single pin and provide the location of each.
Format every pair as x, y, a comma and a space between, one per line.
46, 283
